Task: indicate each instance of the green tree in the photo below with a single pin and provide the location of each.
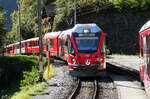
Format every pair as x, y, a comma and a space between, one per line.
29, 20
12, 35
2, 27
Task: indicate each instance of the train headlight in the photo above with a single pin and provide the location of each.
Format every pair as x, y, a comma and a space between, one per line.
101, 59
73, 60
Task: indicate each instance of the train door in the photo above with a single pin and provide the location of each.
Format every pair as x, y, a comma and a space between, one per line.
70, 54
62, 46
144, 55
148, 62
145, 63
141, 68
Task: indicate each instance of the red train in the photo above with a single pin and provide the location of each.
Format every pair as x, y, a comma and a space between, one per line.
27, 47
144, 68
83, 47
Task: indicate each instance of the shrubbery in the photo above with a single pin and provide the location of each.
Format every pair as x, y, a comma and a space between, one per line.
65, 8
29, 77
16, 68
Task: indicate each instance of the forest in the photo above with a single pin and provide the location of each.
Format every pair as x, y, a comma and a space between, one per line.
64, 11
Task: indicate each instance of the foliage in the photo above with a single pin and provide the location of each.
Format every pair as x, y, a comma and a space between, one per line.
47, 75
30, 91
29, 87
140, 4
12, 68
17, 63
2, 27
29, 77
12, 36
65, 7
29, 20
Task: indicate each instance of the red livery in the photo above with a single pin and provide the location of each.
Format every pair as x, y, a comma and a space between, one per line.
83, 47
144, 68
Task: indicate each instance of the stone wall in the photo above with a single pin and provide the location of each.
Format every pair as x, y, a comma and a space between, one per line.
122, 28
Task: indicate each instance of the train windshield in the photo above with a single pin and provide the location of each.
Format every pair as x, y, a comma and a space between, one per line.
87, 44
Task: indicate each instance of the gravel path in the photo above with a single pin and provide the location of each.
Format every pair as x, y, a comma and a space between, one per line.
59, 86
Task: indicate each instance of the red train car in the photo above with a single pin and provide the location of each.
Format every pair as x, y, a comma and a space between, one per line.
9, 50
83, 47
31, 45
51, 43
144, 68
28, 46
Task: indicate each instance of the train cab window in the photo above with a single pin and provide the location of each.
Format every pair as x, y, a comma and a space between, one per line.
51, 42
70, 47
148, 53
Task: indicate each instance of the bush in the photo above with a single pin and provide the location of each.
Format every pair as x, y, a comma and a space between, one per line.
11, 71
29, 78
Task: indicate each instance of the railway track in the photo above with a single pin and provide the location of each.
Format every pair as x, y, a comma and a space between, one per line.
115, 67
88, 87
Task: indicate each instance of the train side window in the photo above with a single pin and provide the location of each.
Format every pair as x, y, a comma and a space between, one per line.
103, 48
44, 41
52, 42
17, 46
36, 43
70, 47
30, 44
141, 47
22, 45
66, 44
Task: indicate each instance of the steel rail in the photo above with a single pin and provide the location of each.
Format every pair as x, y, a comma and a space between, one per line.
94, 95
124, 69
76, 90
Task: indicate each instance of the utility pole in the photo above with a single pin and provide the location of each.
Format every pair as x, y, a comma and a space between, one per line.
75, 11
40, 42
19, 32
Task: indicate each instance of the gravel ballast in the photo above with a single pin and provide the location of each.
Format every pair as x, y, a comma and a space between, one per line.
60, 86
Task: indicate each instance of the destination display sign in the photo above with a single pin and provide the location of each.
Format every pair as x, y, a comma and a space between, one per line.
89, 35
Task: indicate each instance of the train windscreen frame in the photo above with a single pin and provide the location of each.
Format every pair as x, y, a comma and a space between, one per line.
87, 43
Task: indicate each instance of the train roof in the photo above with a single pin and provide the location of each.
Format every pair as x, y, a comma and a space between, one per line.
32, 39
52, 34
145, 26
10, 45
78, 28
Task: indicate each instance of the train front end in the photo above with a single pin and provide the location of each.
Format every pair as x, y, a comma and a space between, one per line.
88, 41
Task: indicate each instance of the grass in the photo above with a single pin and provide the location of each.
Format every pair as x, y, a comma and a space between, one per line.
36, 89
47, 75
30, 91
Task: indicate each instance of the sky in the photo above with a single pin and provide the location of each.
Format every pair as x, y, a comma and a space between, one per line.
9, 6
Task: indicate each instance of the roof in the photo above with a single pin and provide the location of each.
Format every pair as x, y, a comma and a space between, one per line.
78, 28
32, 39
52, 34
145, 26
